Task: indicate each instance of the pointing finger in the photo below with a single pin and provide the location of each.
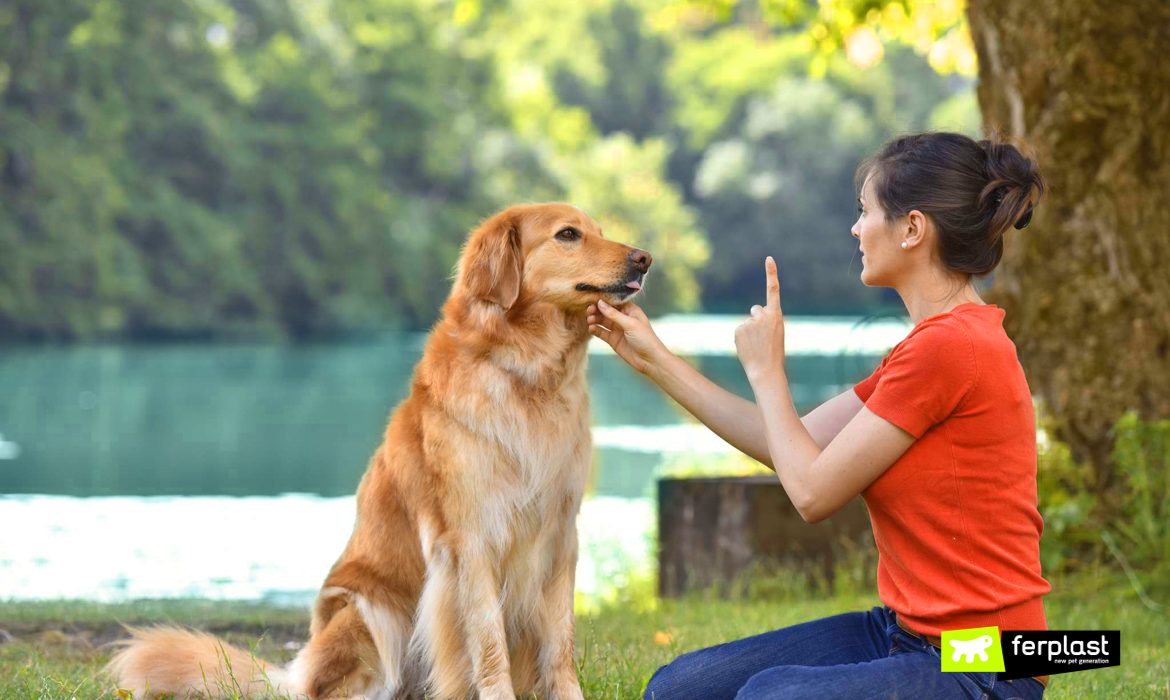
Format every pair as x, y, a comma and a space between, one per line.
773, 284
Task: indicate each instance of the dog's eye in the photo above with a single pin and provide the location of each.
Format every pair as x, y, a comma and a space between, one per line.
568, 234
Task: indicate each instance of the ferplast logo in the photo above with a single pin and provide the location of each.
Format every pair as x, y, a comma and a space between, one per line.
1045, 652
975, 649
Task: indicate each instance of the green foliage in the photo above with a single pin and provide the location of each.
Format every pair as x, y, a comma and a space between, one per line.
213, 168
201, 169
1068, 503
714, 76
1141, 454
1083, 520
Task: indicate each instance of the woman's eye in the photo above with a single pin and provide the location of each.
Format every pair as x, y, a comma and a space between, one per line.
860, 210
568, 234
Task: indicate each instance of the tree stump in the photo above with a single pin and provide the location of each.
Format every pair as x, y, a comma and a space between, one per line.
712, 531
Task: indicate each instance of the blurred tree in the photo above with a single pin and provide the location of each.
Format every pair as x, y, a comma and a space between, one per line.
631, 94
109, 156
1085, 286
235, 167
219, 168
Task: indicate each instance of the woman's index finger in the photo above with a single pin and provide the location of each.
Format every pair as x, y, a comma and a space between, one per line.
773, 284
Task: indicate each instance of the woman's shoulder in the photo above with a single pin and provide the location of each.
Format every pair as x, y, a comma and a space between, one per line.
944, 333
967, 325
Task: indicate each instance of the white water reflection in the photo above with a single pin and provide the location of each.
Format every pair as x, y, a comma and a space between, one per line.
276, 549
660, 439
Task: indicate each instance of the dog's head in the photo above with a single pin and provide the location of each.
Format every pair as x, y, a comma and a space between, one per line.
551, 253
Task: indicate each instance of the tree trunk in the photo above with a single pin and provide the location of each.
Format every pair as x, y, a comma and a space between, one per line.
1086, 287
718, 531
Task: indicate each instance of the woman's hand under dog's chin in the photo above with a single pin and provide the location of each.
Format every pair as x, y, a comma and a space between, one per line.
627, 330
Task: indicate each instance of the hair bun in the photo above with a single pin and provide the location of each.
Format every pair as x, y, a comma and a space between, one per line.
1013, 186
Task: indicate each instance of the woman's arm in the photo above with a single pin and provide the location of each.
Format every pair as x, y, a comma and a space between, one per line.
819, 480
731, 417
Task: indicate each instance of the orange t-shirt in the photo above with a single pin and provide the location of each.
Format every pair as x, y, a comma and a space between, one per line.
955, 518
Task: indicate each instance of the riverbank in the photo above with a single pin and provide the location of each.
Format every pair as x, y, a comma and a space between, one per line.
57, 650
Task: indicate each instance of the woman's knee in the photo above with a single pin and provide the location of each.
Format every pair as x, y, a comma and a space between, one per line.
667, 678
654, 689
675, 676
779, 682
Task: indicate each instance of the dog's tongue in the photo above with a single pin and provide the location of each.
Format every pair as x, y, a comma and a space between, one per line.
634, 284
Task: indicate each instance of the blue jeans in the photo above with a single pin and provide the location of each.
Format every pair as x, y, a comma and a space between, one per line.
854, 655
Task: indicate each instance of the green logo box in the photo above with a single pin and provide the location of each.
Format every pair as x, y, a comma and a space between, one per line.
975, 649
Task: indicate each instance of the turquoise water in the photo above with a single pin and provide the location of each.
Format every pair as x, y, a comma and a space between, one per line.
118, 460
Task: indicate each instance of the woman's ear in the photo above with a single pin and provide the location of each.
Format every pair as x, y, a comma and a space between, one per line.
492, 261
917, 223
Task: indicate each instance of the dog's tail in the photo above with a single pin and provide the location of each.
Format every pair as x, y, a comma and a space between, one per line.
169, 660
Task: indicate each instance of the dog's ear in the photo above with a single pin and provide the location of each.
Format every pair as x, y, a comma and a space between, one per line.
492, 261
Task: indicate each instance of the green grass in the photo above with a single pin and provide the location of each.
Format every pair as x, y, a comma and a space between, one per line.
56, 650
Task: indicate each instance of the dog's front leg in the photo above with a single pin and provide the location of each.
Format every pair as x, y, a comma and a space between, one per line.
558, 670
483, 627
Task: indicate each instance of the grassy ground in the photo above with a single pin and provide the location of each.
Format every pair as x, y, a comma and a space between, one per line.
56, 650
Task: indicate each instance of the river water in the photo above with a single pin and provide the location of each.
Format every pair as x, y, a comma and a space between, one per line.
227, 471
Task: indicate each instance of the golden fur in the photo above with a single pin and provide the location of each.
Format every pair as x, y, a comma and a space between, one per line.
458, 577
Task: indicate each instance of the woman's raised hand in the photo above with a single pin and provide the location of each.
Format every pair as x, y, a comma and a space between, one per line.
759, 341
628, 332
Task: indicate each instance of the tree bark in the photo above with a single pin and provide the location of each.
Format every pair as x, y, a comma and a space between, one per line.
1086, 286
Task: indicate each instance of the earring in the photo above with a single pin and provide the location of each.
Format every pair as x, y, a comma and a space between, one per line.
904, 245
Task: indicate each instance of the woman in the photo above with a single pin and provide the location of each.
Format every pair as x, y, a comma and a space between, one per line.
940, 442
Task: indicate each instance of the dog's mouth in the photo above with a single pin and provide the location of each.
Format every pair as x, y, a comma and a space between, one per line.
621, 290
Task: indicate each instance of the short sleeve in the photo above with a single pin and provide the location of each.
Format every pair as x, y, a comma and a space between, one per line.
924, 379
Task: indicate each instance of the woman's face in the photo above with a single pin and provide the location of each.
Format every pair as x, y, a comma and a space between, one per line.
882, 258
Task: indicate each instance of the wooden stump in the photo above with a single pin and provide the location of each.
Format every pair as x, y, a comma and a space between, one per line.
713, 530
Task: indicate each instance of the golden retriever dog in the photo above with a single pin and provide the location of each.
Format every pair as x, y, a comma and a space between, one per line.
458, 577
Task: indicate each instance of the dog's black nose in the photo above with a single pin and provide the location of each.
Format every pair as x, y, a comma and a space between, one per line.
641, 260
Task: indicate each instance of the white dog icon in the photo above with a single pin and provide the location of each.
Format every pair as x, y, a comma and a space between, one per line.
971, 648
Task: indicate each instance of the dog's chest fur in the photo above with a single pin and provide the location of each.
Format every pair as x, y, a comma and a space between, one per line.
522, 449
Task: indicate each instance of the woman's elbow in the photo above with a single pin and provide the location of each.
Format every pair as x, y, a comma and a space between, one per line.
812, 517
813, 510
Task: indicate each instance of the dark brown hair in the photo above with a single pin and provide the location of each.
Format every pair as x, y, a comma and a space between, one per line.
972, 190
